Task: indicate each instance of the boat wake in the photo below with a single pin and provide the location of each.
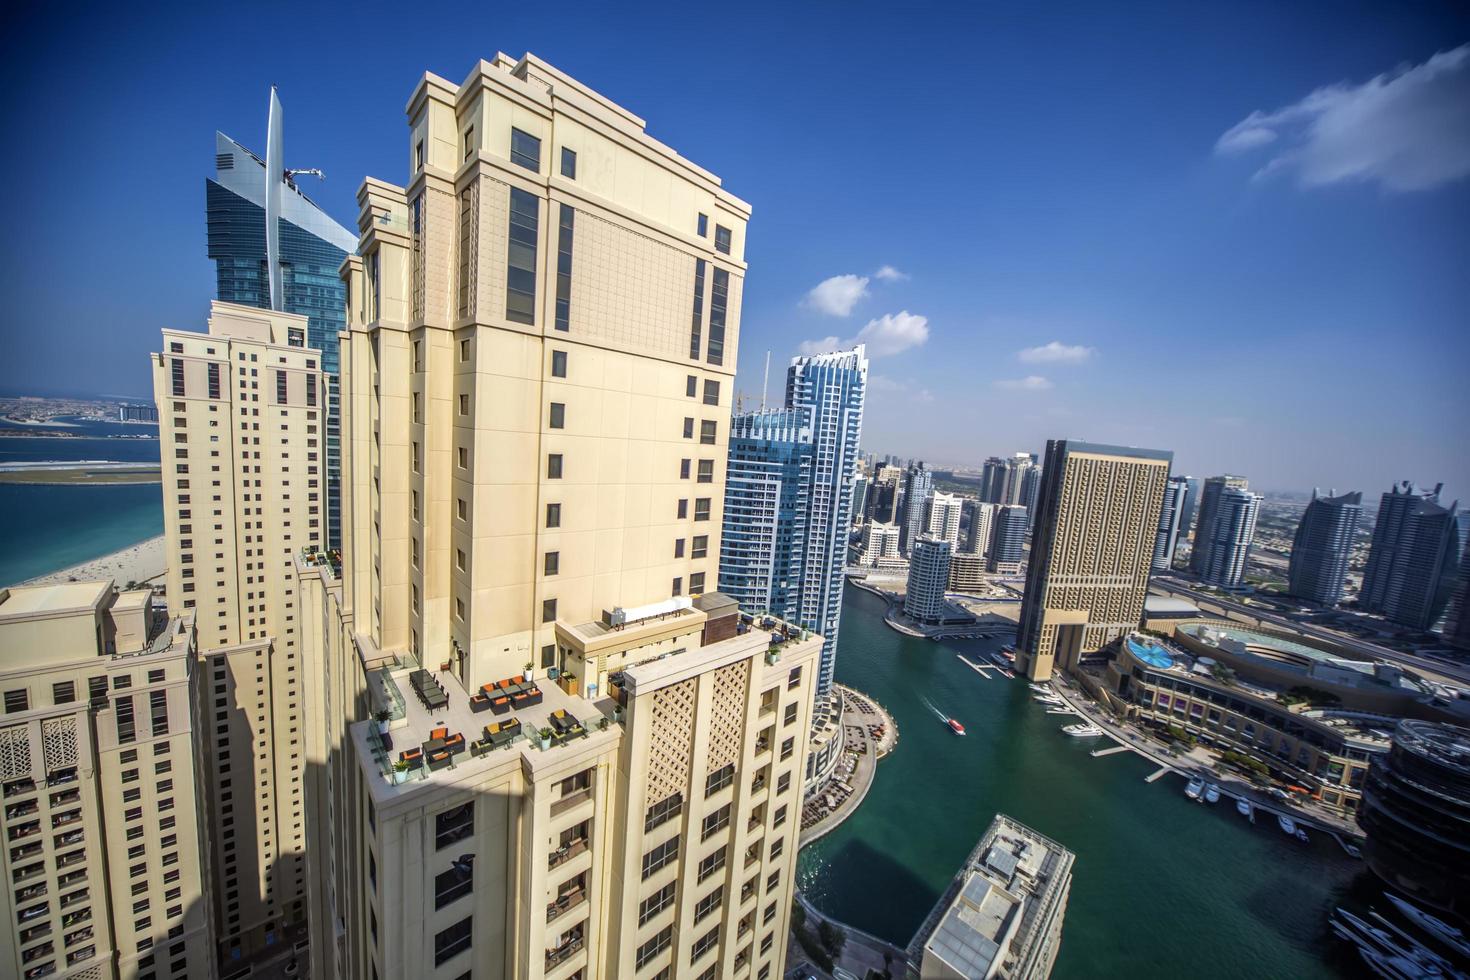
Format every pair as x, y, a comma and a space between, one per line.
937, 713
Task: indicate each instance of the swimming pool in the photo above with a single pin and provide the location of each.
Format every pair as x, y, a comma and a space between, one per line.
1154, 656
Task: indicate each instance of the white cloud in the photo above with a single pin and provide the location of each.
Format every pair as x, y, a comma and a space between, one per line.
1408, 129
1056, 352
838, 295
882, 382
1032, 382
894, 332
822, 346
888, 273
924, 397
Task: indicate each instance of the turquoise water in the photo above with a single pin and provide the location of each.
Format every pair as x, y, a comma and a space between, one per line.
43, 529
1162, 886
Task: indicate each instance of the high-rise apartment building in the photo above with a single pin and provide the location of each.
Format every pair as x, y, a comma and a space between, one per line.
1171, 519
918, 487
928, 578
978, 519
1414, 559
260, 225
1323, 545
242, 425
1092, 545
1191, 506
860, 484
552, 749
1225, 531
137, 413
943, 520
880, 546
1007, 542
105, 861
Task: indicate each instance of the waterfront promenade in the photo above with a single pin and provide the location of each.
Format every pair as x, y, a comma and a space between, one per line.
868, 735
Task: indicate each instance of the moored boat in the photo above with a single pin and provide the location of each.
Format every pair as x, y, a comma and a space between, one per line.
1195, 788
1287, 825
1301, 835
1082, 730
1440, 929
1212, 793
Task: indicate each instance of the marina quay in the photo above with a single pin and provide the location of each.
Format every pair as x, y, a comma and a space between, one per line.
1002, 915
1269, 703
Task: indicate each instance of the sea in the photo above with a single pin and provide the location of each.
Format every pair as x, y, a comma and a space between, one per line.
47, 528
1163, 887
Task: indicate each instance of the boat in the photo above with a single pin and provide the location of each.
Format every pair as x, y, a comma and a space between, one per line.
1195, 788
1441, 930
1243, 808
1007, 672
1392, 967
955, 726
1287, 825
1301, 835
1421, 962
1041, 688
1082, 730
1212, 793
1353, 850
1417, 950
1060, 711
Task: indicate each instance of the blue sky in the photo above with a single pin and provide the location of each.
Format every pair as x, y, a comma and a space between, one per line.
1282, 295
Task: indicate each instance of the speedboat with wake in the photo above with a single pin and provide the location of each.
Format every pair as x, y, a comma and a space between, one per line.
953, 723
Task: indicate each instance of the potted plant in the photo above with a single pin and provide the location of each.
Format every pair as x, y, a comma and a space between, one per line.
528, 671
543, 738
400, 771
384, 718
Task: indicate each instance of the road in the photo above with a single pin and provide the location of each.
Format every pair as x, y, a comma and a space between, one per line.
1438, 669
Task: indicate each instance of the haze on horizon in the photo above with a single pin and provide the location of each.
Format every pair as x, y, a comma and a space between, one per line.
1235, 233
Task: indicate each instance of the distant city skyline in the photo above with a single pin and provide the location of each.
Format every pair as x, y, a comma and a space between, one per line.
1111, 253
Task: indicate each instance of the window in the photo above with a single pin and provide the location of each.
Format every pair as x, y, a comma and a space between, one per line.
688, 428
793, 678
719, 779
684, 469
453, 884
691, 386
553, 562
789, 716
418, 155
553, 466
454, 825
696, 324
661, 855
558, 415
464, 404
663, 811
16, 701
464, 350
718, 302
459, 558
525, 150
178, 376
696, 583
722, 239
678, 547
469, 142
709, 903
706, 471
569, 163
558, 364
520, 287
704, 944
701, 508
707, 432
553, 515
461, 507
653, 947
548, 655
452, 941
715, 822
788, 746
655, 903
701, 546
683, 508
63, 692
548, 610
711, 392
701, 225
711, 864
564, 267
281, 387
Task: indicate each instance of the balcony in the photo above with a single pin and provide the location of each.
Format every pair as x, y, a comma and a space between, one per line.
80, 895
30, 892
81, 935
70, 878
18, 786
565, 903
36, 952
18, 810
35, 932
28, 829
70, 837
26, 850
71, 858
85, 953
65, 797
69, 817
75, 918
27, 872
565, 951
569, 802
62, 776
34, 912
566, 852
44, 970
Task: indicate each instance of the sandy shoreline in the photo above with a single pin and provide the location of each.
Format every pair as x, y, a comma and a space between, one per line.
145, 561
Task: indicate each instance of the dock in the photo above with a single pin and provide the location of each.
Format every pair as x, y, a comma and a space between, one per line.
1111, 750
977, 668
1157, 775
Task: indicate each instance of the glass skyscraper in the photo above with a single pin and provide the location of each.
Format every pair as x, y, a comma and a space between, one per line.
788, 499
1226, 529
1322, 547
1171, 521
312, 247
1414, 561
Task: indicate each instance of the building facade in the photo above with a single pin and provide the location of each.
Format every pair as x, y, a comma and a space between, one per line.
1322, 547
1171, 519
1414, 560
1007, 547
310, 247
918, 487
243, 410
928, 579
1225, 532
105, 850
943, 520
1092, 545
880, 546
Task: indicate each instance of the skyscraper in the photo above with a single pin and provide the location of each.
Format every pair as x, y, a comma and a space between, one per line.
1030, 490
1091, 547
1191, 506
993, 480
1007, 547
928, 578
243, 409
789, 487
981, 528
1414, 560
308, 249
1322, 546
1171, 520
551, 747
944, 518
1225, 531
884, 495
918, 487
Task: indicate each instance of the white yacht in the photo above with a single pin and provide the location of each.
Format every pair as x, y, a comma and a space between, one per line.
1212, 793
1083, 730
1195, 788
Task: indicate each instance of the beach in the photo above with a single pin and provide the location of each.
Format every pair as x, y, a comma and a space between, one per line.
145, 561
